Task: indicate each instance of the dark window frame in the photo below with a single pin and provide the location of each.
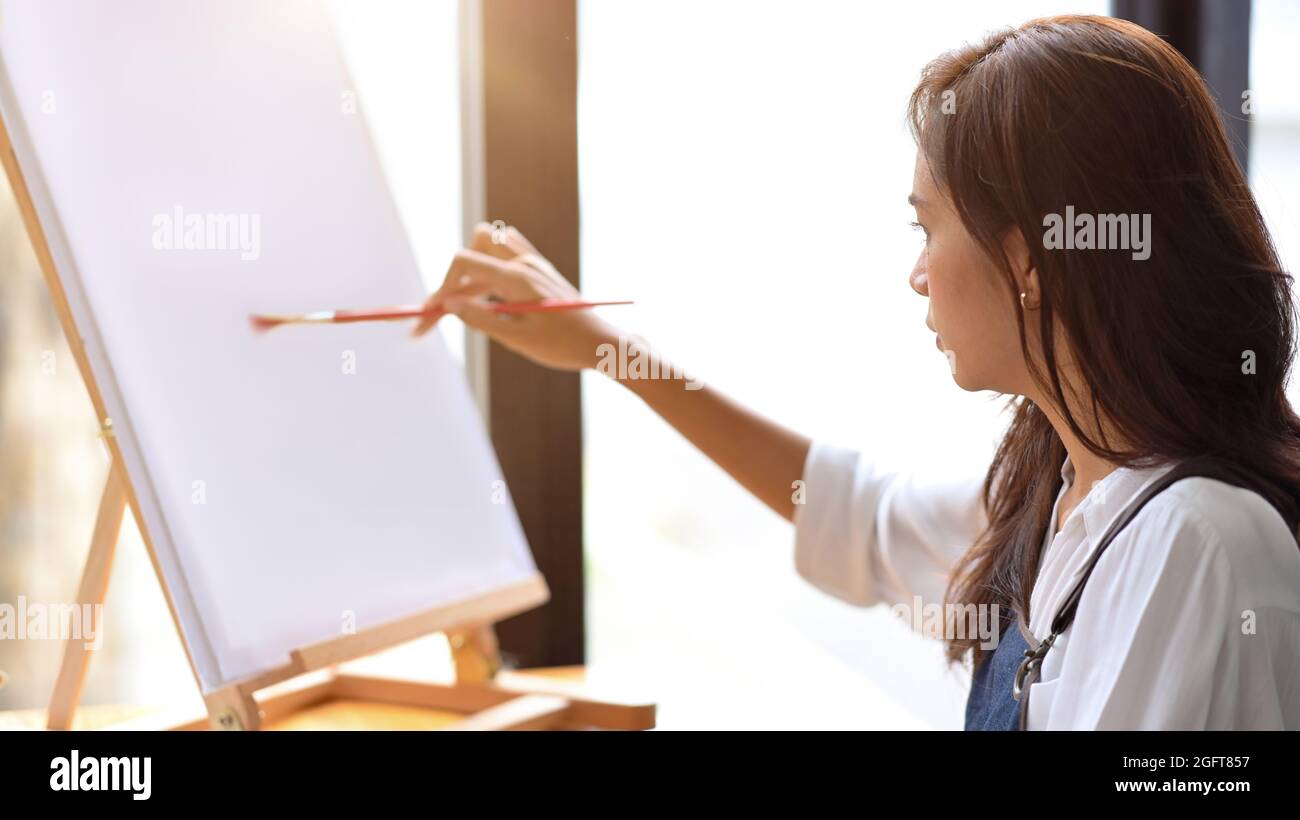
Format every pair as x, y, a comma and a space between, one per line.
1215, 37
519, 94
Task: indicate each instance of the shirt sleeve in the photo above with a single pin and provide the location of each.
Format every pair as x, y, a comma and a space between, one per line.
1147, 646
867, 536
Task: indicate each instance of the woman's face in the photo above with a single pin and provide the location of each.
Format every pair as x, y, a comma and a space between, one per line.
969, 309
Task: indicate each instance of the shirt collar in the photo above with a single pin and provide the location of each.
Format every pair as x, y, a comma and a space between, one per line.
1108, 497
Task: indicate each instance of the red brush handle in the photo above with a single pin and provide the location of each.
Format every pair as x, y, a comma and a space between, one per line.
412, 311
382, 314
548, 305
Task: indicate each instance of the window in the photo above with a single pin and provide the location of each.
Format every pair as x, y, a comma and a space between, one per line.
744, 171
1275, 126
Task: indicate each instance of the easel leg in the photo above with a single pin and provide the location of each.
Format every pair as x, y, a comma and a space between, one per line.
474, 653
93, 588
233, 709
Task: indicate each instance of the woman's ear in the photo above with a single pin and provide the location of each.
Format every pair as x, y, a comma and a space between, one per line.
1022, 265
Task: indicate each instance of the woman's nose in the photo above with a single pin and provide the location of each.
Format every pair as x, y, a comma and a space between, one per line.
918, 279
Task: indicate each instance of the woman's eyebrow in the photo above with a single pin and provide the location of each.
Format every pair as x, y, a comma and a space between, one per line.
915, 201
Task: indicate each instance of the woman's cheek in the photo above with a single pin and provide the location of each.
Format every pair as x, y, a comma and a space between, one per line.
949, 315
941, 300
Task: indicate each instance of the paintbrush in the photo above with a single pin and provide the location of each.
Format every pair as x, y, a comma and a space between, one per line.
265, 321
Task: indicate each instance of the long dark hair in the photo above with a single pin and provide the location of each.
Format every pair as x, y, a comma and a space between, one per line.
1185, 353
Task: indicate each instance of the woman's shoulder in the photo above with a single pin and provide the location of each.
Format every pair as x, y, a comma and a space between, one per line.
1207, 521
1233, 514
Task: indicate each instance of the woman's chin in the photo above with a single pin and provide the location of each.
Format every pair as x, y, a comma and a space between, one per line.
962, 376
949, 354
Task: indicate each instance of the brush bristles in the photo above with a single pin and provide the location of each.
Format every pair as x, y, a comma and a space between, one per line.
262, 322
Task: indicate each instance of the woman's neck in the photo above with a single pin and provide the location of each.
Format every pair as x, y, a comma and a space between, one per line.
1089, 468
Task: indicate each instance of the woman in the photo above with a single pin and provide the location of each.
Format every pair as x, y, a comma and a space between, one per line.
1092, 250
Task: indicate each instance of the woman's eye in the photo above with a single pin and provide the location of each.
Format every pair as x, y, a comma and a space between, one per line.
917, 226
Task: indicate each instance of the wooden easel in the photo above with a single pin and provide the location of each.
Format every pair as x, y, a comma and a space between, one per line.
477, 693
485, 704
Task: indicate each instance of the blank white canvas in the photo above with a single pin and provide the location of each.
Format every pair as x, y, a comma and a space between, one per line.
294, 483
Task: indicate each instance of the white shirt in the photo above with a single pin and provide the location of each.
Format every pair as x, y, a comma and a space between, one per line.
1191, 619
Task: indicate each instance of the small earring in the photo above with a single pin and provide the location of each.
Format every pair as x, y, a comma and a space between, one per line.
1022, 299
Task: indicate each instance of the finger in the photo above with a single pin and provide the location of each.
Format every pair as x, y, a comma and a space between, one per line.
464, 283
500, 240
474, 273
431, 317
517, 242
489, 239
480, 316
556, 284
458, 280
434, 308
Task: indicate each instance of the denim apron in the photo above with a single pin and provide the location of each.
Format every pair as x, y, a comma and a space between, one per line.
991, 706
996, 702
